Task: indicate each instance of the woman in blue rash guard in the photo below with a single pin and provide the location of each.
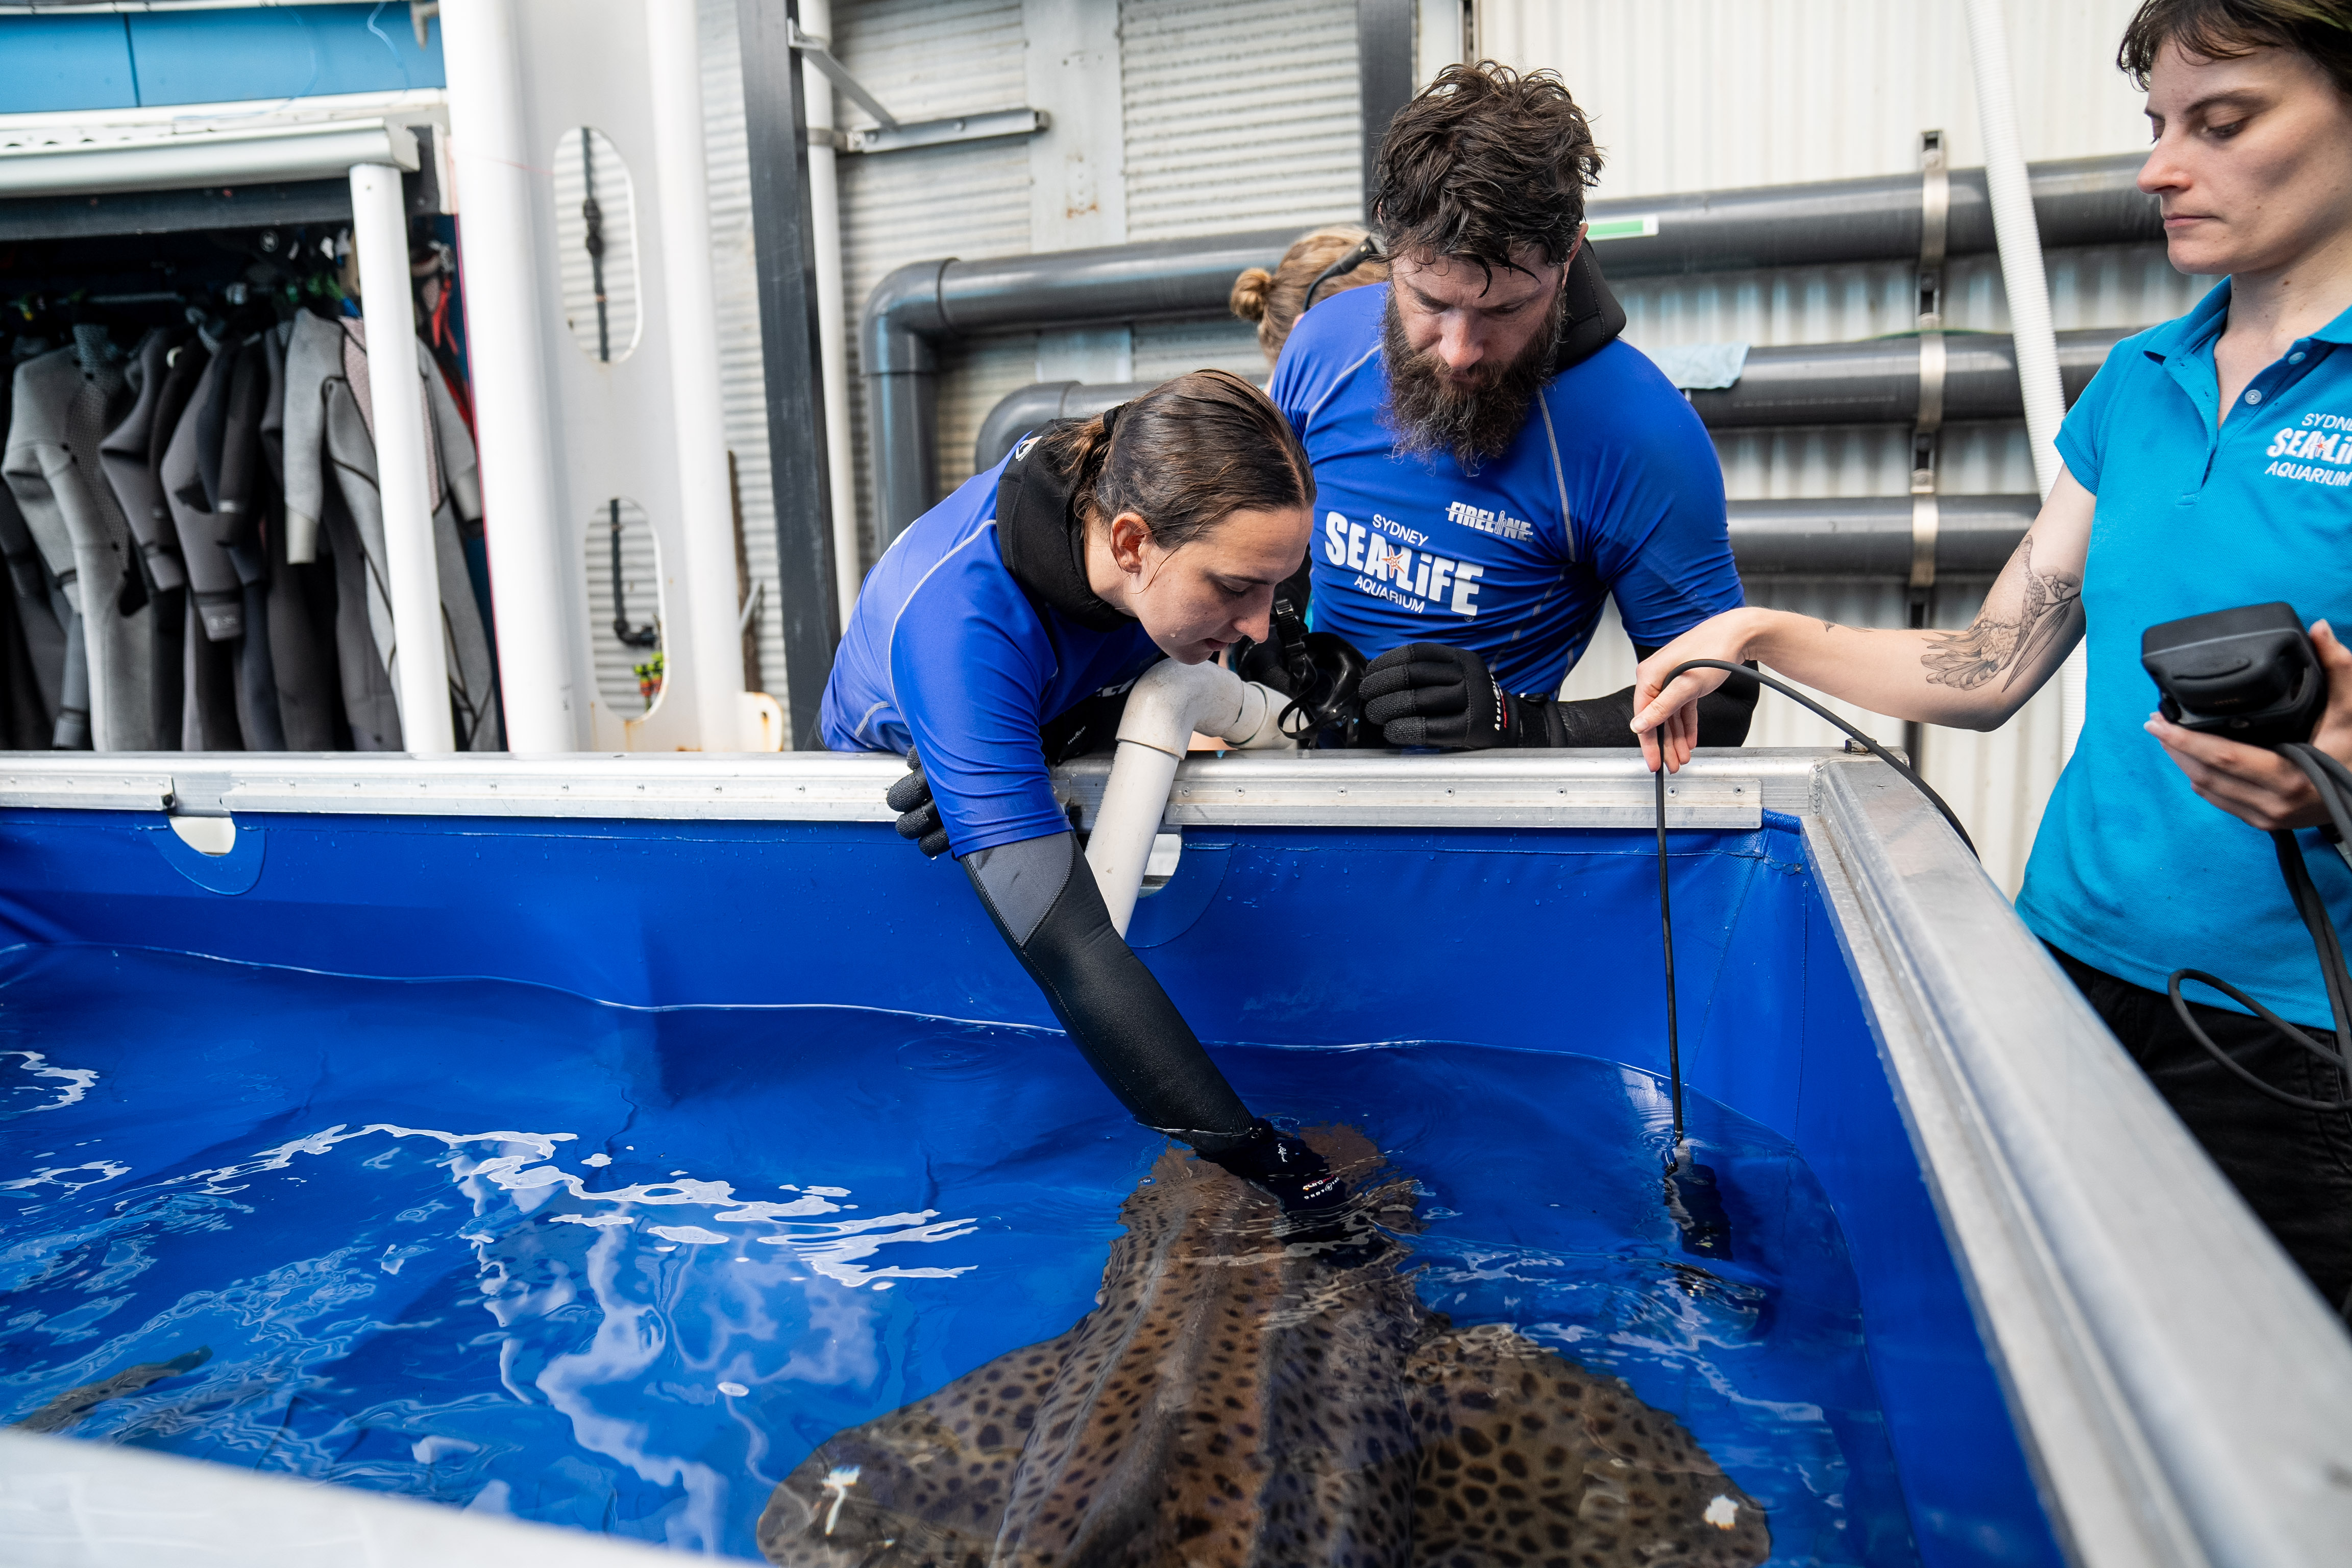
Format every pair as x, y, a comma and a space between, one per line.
1099, 548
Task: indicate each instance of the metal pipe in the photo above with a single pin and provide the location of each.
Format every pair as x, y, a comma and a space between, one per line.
1870, 536
706, 519
2078, 201
919, 306
507, 341
913, 310
1873, 382
2028, 288
1876, 381
199, 159
421, 667
832, 310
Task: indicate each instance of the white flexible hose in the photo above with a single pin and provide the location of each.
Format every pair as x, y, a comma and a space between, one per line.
1170, 701
2028, 288
832, 313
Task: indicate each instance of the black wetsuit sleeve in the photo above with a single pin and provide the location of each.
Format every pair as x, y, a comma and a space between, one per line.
1042, 895
1724, 715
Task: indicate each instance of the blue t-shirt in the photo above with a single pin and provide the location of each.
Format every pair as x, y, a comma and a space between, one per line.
2131, 872
1612, 487
946, 652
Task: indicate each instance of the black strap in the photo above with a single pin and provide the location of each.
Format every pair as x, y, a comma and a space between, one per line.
1366, 249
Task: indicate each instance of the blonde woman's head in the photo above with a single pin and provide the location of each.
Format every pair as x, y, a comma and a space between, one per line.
1275, 300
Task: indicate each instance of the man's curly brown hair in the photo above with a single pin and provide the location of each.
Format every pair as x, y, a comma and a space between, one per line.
1487, 159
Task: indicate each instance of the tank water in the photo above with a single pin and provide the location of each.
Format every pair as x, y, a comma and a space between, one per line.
510, 1249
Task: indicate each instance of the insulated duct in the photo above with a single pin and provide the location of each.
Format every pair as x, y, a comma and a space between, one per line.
2079, 201
1871, 536
1876, 381
1855, 536
1873, 382
915, 308
921, 305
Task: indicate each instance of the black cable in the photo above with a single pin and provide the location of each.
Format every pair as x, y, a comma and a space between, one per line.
1665, 906
1366, 249
2333, 782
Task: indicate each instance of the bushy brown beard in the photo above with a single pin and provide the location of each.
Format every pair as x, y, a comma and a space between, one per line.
1427, 416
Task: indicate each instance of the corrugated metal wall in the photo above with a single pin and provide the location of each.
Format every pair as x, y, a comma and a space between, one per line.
1708, 94
735, 279
924, 59
1236, 115
575, 270
1239, 115
616, 680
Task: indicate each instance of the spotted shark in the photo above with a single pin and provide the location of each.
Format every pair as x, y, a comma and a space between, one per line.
1240, 1397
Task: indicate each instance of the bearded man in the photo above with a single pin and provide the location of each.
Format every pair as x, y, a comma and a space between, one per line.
1491, 462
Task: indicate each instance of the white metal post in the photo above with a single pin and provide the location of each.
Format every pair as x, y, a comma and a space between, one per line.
705, 518
832, 310
507, 344
2028, 288
421, 668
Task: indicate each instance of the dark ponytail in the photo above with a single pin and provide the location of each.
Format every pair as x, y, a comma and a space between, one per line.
1183, 457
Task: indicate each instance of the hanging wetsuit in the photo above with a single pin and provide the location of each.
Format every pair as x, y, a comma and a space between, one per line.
320, 528
125, 455
239, 497
41, 609
66, 402
216, 619
976, 630
301, 613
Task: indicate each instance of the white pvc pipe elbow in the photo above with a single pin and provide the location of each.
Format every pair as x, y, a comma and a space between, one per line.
1170, 703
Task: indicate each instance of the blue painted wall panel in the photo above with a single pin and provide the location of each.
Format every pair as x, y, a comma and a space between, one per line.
56, 64
49, 64
280, 51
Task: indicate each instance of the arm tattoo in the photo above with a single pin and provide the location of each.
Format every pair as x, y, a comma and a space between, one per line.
1965, 660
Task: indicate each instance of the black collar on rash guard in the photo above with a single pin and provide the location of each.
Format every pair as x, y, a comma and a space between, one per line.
1043, 540
1594, 316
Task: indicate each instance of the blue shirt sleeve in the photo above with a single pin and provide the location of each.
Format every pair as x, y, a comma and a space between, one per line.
1286, 388
2080, 437
967, 669
1324, 344
1652, 521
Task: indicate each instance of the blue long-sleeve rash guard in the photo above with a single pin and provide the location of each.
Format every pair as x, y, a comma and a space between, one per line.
1512, 561
947, 653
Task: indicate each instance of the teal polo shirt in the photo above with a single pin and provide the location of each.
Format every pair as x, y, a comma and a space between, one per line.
2131, 872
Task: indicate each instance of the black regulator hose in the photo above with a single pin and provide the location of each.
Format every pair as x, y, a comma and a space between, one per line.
2334, 783
1692, 1197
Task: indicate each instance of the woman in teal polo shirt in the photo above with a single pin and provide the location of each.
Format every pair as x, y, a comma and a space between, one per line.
2208, 466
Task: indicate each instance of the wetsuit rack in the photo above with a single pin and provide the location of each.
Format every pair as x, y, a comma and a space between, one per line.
194, 544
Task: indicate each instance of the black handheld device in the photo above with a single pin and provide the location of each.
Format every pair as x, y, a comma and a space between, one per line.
2251, 674
2247, 674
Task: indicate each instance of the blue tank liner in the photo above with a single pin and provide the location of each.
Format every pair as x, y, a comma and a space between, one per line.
63, 64
1528, 938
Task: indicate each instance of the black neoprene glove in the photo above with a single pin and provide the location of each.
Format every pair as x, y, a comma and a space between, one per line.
1282, 1166
919, 814
1426, 694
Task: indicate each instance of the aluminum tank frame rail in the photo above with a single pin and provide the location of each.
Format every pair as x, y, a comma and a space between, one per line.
2178, 1387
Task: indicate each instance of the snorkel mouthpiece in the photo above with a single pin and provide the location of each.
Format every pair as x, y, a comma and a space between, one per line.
1695, 1204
